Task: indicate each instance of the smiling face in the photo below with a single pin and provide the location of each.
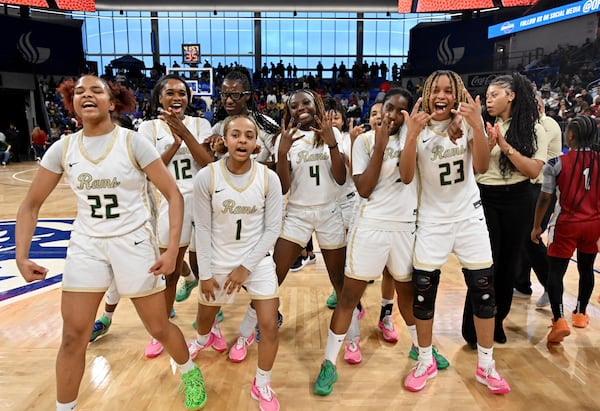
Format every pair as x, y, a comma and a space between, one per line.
92, 99
302, 109
240, 138
442, 98
173, 95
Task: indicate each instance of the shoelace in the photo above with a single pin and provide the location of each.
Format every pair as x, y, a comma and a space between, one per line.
326, 373
420, 369
242, 341
388, 323
491, 371
266, 392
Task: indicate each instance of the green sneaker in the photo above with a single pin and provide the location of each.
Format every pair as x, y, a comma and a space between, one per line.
327, 376
101, 327
185, 290
331, 300
442, 362
193, 387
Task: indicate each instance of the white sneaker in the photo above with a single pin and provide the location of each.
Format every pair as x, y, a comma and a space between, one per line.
543, 301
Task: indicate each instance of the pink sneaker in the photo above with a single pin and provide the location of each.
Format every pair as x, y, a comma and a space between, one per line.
416, 380
216, 342
387, 328
153, 349
352, 353
238, 352
490, 377
265, 396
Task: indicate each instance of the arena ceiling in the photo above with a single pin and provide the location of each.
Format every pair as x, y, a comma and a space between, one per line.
258, 6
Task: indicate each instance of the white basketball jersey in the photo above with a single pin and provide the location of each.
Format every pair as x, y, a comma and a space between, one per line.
449, 191
238, 215
111, 191
312, 179
391, 199
182, 166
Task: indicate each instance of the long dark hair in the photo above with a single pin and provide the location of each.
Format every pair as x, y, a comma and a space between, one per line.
524, 113
264, 123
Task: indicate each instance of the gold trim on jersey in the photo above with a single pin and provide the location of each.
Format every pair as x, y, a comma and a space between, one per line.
130, 150
107, 151
228, 180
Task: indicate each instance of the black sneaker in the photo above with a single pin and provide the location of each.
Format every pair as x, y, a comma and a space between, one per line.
298, 264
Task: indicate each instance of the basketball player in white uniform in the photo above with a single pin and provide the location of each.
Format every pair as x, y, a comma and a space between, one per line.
237, 213
450, 218
382, 235
106, 167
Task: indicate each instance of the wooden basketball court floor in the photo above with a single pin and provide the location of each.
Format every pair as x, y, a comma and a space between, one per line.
119, 377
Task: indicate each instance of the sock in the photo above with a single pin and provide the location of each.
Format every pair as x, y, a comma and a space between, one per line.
386, 308
412, 331
70, 406
354, 329
262, 377
187, 274
485, 356
334, 343
202, 339
108, 315
248, 323
187, 367
426, 355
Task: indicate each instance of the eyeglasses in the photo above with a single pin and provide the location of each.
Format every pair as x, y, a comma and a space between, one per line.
234, 96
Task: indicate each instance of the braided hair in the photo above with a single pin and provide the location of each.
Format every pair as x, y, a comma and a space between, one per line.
458, 88
320, 112
264, 123
161, 83
524, 111
585, 135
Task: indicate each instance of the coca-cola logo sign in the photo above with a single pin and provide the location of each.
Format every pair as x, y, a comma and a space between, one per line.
482, 79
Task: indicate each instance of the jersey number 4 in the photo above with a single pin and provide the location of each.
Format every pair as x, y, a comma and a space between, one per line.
459, 173
110, 203
314, 173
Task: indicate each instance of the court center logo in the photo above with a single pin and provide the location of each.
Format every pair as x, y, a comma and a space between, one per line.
32, 54
447, 55
48, 249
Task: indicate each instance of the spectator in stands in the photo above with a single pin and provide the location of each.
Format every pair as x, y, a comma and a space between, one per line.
580, 104
586, 96
319, 70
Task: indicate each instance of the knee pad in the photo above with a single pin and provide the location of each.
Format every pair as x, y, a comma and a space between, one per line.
481, 291
426, 285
